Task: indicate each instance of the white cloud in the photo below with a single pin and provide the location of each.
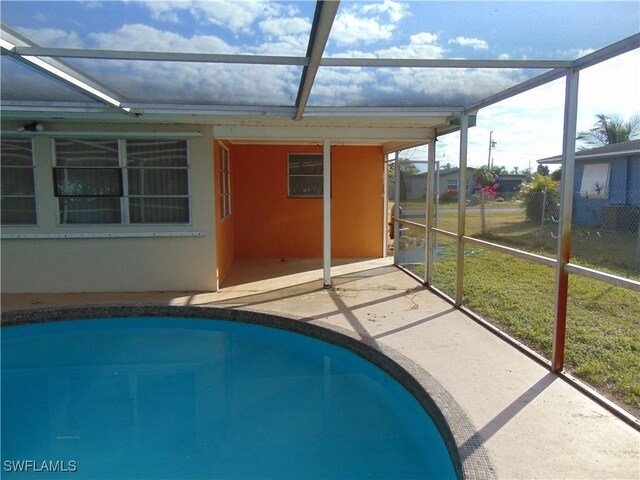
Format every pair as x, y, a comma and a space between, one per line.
574, 53
475, 43
52, 37
143, 37
421, 45
367, 23
166, 10
286, 36
231, 14
190, 83
351, 29
394, 10
278, 27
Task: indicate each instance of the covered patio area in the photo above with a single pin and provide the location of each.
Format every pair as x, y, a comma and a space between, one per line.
531, 422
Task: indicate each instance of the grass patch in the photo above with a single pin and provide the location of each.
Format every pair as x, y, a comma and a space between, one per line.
616, 253
603, 324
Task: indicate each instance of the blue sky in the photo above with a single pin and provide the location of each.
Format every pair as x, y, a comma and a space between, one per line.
475, 30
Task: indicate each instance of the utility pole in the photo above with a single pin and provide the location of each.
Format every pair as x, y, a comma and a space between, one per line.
492, 145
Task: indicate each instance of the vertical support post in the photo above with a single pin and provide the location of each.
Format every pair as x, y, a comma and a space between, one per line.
432, 187
396, 209
385, 203
462, 200
566, 207
326, 212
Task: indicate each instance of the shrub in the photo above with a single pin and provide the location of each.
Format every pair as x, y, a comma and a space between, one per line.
449, 195
534, 199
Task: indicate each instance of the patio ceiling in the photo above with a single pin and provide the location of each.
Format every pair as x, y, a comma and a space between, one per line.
244, 63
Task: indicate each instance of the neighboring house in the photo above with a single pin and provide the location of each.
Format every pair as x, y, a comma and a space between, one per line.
448, 179
606, 186
414, 188
510, 183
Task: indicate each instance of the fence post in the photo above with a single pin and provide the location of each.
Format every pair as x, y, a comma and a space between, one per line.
544, 205
483, 220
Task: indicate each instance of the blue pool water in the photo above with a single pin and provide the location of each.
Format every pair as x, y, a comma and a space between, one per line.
195, 398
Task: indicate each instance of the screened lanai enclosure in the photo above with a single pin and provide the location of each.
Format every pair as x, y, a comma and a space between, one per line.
435, 85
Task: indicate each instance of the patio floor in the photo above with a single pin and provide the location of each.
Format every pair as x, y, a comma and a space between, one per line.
533, 424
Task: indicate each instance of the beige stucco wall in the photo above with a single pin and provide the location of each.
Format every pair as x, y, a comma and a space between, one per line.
114, 264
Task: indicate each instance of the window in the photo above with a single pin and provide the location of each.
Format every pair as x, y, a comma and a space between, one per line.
109, 181
225, 183
18, 193
452, 184
595, 181
305, 175
158, 181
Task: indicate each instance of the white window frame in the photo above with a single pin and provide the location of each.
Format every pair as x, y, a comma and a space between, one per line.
32, 167
225, 182
125, 178
595, 181
321, 176
451, 181
125, 197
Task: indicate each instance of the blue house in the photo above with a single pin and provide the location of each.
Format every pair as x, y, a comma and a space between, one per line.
606, 186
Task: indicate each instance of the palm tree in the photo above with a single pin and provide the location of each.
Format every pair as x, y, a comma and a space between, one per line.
609, 129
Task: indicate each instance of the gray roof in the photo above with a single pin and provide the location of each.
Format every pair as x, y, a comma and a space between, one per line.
614, 150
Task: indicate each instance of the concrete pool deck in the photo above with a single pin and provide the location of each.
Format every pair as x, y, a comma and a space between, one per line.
532, 423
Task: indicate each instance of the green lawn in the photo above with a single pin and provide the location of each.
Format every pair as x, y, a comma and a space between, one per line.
603, 325
613, 252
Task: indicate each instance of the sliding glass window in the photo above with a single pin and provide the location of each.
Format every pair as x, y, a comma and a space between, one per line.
18, 193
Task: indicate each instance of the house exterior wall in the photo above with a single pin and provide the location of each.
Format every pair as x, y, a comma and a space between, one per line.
269, 224
624, 188
114, 264
225, 247
455, 175
633, 180
511, 183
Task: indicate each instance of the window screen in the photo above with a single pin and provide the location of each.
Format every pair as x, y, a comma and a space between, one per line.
305, 175
136, 181
17, 192
158, 181
88, 181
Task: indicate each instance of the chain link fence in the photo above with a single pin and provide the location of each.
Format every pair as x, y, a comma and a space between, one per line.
604, 234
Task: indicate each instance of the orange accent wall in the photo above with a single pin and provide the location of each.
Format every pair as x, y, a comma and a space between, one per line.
268, 224
357, 202
225, 246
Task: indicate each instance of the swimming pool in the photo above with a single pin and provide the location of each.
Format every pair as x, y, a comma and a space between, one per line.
167, 397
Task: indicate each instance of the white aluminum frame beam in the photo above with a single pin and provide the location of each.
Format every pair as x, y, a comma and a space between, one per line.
441, 63
430, 211
336, 134
326, 213
198, 57
323, 21
140, 55
608, 52
9, 43
601, 55
564, 227
462, 204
